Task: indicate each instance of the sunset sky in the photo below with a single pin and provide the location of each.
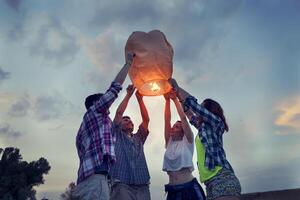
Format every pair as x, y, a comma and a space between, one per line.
244, 54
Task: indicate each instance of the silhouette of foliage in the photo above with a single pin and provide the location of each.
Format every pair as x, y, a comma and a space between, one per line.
17, 177
67, 195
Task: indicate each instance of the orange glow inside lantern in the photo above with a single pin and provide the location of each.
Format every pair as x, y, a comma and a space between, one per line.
155, 88
152, 65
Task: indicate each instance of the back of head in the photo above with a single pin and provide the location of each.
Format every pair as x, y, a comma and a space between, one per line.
89, 101
216, 109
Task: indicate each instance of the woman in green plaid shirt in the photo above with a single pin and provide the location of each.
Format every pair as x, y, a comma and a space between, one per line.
215, 170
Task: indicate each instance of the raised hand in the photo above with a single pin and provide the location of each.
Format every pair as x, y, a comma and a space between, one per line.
174, 84
130, 89
173, 94
167, 96
138, 95
129, 58
170, 95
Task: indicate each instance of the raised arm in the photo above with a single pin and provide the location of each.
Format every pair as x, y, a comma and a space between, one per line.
202, 112
107, 98
189, 102
184, 122
123, 105
188, 113
111, 94
120, 78
143, 110
181, 93
194, 119
167, 119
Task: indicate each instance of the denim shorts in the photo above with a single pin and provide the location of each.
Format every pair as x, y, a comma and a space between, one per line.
186, 191
225, 183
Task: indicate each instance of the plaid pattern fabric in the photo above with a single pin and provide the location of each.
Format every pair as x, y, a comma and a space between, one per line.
94, 139
210, 132
131, 166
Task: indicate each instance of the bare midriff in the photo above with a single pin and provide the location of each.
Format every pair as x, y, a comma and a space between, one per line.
179, 177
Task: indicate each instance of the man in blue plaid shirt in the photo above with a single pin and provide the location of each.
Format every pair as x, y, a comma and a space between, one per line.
130, 175
95, 141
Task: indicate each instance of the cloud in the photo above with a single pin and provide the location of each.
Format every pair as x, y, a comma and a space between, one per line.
42, 108
195, 29
54, 42
20, 108
125, 13
14, 4
289, 116
106, 55
51, 107
202, 26
7, 131
104, 51
188, 39
17, 32
46, 37
4, 75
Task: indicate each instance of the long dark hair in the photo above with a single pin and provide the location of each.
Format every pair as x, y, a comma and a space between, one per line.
216, 109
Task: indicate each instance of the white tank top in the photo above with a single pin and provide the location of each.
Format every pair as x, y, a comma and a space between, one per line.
178, 155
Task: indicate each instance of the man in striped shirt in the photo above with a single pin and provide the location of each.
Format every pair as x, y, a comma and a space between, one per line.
130, 173
95, 141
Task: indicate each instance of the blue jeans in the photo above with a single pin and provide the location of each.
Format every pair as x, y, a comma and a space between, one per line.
186, 191
94, 187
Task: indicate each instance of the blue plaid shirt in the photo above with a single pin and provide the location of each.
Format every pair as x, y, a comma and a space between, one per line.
210, 132
130, 166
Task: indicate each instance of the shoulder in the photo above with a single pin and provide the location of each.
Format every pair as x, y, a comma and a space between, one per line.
142, 129
116, 127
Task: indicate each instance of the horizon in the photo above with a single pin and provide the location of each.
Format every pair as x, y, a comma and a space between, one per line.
244, 55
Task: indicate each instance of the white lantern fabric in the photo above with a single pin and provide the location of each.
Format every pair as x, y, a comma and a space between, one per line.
153, 63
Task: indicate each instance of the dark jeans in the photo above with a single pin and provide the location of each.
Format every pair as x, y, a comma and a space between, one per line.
186, 191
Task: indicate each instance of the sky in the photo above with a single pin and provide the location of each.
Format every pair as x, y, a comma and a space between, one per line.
244, 54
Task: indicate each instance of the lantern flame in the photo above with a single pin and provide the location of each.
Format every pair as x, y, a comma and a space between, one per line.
154, 87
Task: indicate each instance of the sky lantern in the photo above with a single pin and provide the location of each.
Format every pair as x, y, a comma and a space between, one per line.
153, 63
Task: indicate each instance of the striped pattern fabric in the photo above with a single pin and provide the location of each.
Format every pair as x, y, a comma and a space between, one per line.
94, 139
130, 167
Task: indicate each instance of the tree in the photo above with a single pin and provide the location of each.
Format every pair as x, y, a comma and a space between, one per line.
17, 177
67, 195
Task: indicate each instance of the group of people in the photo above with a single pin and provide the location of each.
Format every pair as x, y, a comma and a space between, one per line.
112, 160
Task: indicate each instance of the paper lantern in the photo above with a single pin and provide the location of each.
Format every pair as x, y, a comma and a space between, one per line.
153, 63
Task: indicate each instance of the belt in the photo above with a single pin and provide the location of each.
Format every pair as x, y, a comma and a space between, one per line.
102, 172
